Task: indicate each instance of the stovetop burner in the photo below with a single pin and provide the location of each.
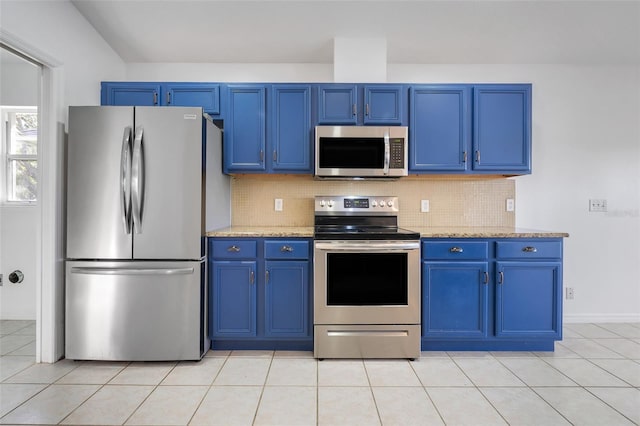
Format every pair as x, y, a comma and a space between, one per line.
359, 218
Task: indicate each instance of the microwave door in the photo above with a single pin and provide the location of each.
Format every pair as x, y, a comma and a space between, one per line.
352, 156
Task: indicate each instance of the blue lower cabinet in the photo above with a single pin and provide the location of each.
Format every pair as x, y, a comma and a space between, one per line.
261, 298
286, 297
529, 299
454, 299
502, 294
233, 297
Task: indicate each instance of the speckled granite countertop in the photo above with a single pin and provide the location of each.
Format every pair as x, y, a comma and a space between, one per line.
425, 232
263, 231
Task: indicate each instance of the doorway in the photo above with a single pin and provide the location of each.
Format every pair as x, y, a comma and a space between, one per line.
20, 213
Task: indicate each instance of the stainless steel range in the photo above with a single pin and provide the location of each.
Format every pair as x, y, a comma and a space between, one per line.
366, 280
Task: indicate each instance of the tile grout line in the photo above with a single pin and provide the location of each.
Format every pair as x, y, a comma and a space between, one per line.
209, 388
264, 384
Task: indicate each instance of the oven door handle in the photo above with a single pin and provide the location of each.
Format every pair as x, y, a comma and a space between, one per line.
368, 247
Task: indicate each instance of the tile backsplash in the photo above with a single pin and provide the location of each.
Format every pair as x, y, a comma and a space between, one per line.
454, 201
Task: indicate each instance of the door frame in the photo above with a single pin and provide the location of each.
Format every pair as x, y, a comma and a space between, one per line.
50, 206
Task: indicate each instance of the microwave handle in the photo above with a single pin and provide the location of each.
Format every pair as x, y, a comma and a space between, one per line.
387, 153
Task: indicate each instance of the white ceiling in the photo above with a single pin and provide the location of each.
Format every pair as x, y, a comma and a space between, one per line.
417, 32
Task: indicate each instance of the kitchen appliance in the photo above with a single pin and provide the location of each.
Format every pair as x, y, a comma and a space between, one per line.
136, 251
366, 280
361, 151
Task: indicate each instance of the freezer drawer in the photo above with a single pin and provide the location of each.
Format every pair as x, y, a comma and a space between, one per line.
135, 311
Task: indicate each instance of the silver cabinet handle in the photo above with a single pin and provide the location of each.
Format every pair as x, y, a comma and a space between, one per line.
125, 179
261, 156
529, 249
477, 156
354, 109
252, 277
366, 110
168, 98
275, 155
233, 249
486, 277
464, 156
501, 277
456, 250
155, 98
266, 277
286, 249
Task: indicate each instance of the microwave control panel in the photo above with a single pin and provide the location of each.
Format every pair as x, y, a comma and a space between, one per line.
396, 146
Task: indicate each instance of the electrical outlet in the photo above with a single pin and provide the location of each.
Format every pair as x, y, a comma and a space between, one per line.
278, 204
568, 293
424, 206
511, 204
597, 205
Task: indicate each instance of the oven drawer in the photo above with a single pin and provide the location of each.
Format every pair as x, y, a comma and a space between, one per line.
455, 250
367, 341
234, 249
286, 249
528, 249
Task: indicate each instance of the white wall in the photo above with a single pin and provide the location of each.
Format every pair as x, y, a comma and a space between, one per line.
586, 144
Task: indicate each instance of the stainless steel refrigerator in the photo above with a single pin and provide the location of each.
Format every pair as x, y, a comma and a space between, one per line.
136, 250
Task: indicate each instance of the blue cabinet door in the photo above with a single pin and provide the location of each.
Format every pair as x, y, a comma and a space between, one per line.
287, 298
205, 95
502, 128
529, 299
233, 299
244, 129
454, 299
291, 135
383, 104
440, 120
338, 104
131, 94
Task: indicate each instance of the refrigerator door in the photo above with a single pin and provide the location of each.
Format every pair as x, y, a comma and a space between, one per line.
167, 188
98, 173
135, 311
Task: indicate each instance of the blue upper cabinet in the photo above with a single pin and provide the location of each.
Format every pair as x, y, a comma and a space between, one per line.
245, 129
291, 135
440, 132
383, 104
502, 128
205, 95
352, 104
338, 104
131, 94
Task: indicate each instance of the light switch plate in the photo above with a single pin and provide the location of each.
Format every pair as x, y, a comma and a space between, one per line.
278, 204
511, 204
424, 206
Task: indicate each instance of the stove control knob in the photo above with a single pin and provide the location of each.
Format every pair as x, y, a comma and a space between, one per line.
374, 203
322, 203
330, 203
390, 203
381, 203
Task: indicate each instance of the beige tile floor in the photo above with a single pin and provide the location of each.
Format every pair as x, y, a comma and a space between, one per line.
592, 378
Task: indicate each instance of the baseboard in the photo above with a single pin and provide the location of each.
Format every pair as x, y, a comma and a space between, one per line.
600, 318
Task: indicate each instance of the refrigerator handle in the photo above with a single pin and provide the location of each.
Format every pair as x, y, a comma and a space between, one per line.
125, 177
131, 271
137, 180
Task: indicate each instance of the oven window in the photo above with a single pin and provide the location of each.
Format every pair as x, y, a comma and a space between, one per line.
351, 153
358, 279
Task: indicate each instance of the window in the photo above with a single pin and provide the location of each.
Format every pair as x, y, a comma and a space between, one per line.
20, 142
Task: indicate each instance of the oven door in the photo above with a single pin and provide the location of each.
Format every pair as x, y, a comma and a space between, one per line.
367, 282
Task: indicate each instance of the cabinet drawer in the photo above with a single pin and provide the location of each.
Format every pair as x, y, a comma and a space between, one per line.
529, 249
455, 250
286, 249
233, 249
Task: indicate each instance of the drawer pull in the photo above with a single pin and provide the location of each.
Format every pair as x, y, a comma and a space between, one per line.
501, 278
529, 249
456, 250
286, 249
233, 249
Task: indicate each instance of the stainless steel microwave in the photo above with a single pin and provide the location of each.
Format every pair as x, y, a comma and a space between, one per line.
361, 151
